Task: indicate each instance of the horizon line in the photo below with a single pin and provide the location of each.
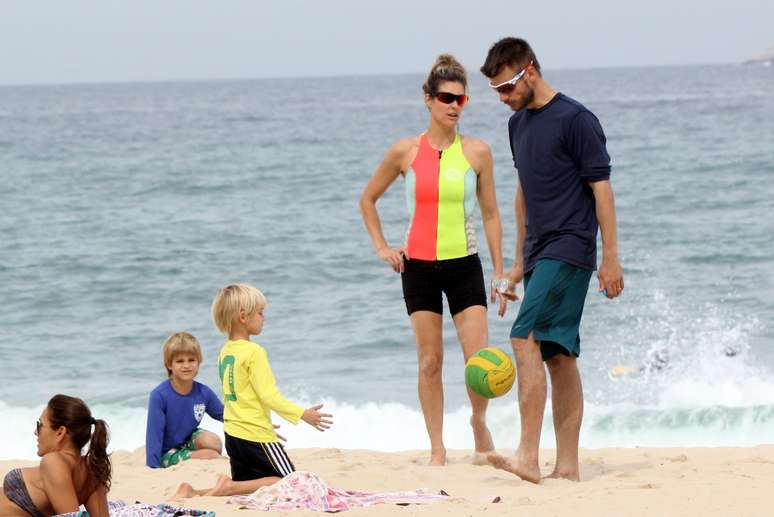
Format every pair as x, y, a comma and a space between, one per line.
317, 76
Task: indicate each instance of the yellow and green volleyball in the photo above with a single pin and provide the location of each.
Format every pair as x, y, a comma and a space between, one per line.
490, 372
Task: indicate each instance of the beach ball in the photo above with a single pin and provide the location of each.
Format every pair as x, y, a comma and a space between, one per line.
490, 372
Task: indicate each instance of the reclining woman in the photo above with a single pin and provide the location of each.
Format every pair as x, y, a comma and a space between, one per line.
65, 479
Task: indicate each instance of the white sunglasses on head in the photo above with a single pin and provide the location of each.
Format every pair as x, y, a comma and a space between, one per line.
510, 84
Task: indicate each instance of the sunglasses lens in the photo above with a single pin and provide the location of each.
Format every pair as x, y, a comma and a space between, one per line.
506, 88
445, 97
448, 98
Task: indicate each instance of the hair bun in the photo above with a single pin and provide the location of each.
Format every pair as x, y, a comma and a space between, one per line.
444, 60
445, 68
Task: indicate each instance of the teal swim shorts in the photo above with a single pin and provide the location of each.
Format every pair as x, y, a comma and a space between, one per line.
554, 295
181, 453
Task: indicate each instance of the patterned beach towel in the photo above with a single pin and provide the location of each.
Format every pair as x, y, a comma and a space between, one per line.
121, 509
306, 490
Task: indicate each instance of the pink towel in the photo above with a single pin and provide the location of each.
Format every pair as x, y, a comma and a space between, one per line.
306, 490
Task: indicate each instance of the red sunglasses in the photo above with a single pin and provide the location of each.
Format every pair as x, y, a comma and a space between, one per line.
448, 98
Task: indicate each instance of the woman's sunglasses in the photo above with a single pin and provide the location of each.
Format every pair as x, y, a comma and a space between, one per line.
38, 426
448, 98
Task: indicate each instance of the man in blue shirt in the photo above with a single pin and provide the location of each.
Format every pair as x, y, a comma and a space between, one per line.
563, 195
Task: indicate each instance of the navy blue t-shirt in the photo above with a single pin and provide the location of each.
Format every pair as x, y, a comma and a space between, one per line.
558, 149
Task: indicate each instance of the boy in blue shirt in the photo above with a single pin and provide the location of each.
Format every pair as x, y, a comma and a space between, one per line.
176, 408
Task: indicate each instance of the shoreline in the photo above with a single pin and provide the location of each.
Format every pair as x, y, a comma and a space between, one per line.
634, 481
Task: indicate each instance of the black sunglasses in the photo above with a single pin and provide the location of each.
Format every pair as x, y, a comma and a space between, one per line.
448, 98
38, 425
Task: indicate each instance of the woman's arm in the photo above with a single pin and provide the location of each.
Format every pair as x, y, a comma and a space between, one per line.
97, 503
384, 175
490, 213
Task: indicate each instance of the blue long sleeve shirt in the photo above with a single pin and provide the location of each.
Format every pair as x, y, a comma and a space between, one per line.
172, 417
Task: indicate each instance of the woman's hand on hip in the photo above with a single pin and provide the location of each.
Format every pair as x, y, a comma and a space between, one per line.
393, 256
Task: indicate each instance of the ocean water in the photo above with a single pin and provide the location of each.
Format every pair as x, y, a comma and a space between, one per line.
123, 207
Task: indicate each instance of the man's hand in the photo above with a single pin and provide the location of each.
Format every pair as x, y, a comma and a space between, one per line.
611, 281
514, 276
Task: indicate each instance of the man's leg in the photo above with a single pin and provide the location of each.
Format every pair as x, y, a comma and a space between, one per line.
531, 378
567, 402
473, 334
428, 333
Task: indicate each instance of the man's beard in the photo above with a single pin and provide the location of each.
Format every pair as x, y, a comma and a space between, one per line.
526, 101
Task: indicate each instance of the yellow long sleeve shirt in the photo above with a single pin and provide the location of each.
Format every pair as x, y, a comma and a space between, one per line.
250, 393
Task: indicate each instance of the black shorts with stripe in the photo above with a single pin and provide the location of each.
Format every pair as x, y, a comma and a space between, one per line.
255, 460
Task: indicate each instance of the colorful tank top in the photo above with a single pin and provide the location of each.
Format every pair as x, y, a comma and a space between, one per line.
441, 197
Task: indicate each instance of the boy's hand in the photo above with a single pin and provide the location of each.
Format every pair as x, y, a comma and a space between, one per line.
275, 426
318, 420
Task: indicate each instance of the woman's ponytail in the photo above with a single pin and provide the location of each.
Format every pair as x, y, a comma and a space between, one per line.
97, 457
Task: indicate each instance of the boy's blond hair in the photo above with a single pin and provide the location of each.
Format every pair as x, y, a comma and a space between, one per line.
233, 300
178, 344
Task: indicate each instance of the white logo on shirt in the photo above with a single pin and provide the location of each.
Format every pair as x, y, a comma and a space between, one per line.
452, 174
199, 411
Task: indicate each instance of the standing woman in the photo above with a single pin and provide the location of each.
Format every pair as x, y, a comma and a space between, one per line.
445, 175
65, 479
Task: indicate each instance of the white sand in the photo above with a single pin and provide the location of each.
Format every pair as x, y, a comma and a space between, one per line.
631, 482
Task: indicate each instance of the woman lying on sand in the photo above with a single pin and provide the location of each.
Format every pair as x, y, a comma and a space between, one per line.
65, 479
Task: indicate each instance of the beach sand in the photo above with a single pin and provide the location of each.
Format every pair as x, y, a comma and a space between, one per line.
632, 482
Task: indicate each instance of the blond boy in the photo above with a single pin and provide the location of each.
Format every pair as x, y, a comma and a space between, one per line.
250, 394
176, 407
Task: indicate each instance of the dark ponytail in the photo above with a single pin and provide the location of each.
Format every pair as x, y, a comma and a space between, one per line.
73, 414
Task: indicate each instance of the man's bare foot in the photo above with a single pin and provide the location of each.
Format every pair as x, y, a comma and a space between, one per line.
563, 474
482, 439
437, 458
222, 486
184, 491
527, 473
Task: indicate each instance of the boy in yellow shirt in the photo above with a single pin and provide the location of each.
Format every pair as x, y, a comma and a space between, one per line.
250, 393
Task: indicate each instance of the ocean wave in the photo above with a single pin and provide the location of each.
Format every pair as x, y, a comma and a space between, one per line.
396, 427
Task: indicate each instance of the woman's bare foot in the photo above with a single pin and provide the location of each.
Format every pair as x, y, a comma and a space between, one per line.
437, 458
527, 473
222, 486
482, 439
184, 491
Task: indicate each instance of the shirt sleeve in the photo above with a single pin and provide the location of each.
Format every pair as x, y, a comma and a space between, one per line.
154, 432
586, 144
214, 406
264, 384
511, 122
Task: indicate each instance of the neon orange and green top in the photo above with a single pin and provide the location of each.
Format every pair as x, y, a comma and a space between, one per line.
441, 197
